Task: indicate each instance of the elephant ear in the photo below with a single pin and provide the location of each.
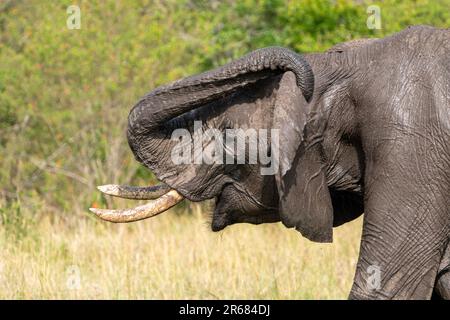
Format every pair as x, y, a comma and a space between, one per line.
305, 202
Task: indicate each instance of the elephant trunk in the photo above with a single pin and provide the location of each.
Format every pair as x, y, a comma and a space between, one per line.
170, 101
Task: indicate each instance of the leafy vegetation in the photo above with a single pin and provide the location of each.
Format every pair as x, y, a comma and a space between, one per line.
65, 94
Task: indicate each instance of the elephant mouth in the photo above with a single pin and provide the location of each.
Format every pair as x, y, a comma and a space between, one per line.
220, 222
235, 205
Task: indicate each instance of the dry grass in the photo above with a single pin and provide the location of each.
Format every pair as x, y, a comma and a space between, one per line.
172, 256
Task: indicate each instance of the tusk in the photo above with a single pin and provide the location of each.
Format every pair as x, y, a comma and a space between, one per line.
136, 193
148, 210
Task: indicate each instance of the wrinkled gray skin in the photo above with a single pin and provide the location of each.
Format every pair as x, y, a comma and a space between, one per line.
364, 127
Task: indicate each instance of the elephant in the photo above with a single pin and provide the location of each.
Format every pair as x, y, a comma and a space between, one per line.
363, 127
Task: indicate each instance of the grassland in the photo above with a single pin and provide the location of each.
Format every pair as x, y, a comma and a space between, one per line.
172, 256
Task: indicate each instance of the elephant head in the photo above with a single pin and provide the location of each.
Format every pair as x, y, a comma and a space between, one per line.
362, 127
267, 92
